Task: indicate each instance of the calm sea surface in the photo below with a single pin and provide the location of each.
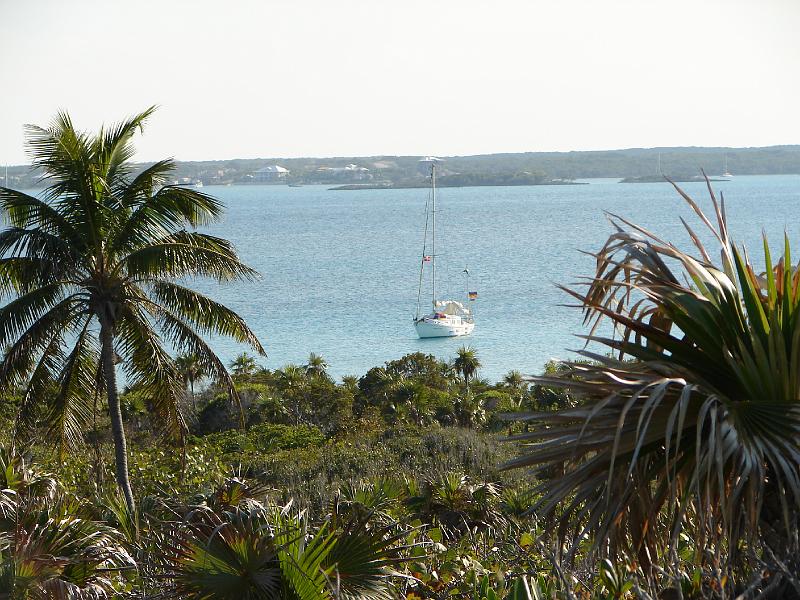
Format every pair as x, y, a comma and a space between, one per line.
340, 268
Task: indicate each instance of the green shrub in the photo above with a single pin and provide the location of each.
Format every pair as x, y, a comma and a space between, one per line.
262, 438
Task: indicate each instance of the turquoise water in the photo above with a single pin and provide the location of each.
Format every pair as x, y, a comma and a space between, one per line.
340, 269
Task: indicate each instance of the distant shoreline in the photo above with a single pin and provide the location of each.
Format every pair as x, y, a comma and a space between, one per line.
500, 169
676, 179
415, 185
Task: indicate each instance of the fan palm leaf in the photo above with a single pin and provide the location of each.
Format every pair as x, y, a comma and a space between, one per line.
49, 547
221, 559
363, 558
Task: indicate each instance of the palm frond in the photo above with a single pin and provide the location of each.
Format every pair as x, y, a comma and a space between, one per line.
58, 260
70, 412
186, 254
302, 557
113, 148
22, 312
156, 215
363, 559
221, 559
203, 312
23, 211
704, 420
150, 369
64, 318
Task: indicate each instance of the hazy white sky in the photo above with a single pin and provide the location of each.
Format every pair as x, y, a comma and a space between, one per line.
266, 78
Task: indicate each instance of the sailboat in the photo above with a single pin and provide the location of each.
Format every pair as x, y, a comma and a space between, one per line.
448, 318
726, 173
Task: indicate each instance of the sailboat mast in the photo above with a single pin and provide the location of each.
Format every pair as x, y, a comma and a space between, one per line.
433, 231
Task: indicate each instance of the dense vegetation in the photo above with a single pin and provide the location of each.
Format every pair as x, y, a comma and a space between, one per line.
668, 469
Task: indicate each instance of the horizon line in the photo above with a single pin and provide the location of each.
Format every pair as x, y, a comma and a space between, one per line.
350, 156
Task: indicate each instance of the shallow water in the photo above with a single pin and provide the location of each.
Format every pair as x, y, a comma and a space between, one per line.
340, 268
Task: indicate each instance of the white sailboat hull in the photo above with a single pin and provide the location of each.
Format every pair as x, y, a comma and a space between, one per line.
432, 328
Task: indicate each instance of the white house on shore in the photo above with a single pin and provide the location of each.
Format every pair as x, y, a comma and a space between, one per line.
270, 174
349, 172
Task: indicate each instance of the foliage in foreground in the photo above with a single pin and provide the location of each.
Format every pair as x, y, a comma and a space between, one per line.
698, 434
466, 529
436, 537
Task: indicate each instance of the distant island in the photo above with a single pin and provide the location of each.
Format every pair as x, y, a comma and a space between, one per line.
634, 165
461, 180
675, 178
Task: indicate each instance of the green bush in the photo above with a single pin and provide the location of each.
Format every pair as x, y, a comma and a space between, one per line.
263, 438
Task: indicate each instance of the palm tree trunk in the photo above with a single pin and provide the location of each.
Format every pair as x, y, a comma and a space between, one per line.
115, 413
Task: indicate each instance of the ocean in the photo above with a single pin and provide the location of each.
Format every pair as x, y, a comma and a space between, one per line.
340, 269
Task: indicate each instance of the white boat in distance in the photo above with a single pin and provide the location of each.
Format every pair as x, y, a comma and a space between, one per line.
449, 318
725, 172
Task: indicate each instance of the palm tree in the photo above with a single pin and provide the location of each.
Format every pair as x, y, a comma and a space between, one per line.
350, 382
391, 382
292, 380
466, 364
249, 549
291, 377
243, 365
514, 380
50, 545
91, 268
458, 505
190, 370
316, 366
701, 429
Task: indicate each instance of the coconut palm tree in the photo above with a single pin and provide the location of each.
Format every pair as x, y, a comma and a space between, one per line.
466, 364
700, 427
350, 382
244, 365
316, 366
292, 380
91, 267
515, 382
190, 370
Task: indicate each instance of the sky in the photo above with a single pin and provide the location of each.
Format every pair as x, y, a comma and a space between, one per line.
274, 78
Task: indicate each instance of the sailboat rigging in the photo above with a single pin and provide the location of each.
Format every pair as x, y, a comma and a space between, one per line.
725, 172
448, 318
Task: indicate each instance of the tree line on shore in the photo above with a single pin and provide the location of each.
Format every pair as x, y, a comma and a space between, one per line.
504, 168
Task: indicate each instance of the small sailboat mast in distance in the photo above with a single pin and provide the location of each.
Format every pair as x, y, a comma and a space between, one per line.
448, 318
725, 172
